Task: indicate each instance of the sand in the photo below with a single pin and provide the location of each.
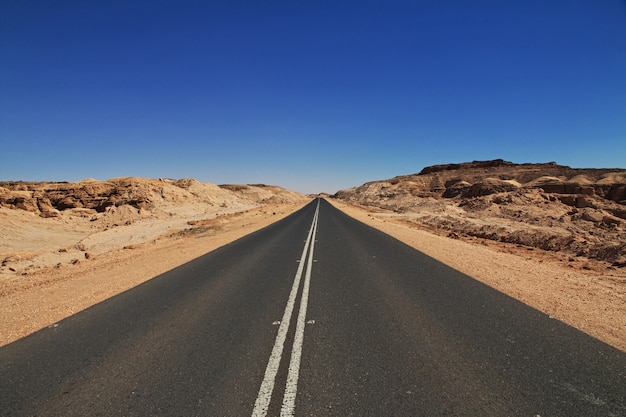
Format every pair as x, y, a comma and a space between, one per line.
43, 296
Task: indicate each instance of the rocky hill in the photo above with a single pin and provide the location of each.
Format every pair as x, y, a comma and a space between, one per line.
53, 223
49, 199
580, 212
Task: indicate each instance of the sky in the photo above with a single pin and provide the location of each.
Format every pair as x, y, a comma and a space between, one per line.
314, 96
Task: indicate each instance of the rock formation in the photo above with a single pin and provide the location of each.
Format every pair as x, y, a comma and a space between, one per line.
48, 199
581, 212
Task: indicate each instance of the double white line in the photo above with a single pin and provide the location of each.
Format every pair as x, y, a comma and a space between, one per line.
267, 386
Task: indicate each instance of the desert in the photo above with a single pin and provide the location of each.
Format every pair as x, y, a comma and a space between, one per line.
550, 236
66, 246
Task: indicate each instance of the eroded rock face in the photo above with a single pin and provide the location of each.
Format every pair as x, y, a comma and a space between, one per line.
467, 165
549, 206
489, 186
51, 198
456, 188
480, 178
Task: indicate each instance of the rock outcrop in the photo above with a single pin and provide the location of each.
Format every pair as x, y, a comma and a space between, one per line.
46, 224
578, 211
48, 199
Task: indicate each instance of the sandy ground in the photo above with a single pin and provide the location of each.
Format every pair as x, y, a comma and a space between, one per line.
40, 297
593, 301
590, 299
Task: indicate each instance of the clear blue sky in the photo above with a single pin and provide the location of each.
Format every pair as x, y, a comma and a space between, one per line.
311, 95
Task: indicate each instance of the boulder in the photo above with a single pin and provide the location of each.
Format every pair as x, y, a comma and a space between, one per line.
48, 214
490, 186
578, 201
612, 220
591, 215
26, 204
44, 204
68, 203
549, 184
617, 193
46, 208
456, 189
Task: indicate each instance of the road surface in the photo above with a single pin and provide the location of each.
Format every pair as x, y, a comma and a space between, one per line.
315, 315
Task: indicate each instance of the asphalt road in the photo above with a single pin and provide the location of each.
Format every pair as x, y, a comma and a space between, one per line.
316, 315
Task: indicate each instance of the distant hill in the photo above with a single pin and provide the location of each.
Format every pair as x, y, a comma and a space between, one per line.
545, 205
48, 199
472, 179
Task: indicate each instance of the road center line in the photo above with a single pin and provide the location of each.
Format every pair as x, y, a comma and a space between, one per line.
291, 388
264, 397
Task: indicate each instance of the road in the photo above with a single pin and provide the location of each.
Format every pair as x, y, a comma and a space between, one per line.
315, 315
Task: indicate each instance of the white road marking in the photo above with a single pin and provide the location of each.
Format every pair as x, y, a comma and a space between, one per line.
264, 397
291, 388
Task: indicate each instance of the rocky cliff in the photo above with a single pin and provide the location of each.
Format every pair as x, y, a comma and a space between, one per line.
581, 212
49, 199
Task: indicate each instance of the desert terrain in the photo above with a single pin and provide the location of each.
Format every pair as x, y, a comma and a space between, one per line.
67, 246
551, 236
